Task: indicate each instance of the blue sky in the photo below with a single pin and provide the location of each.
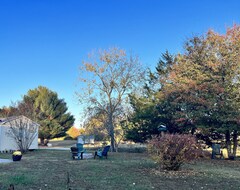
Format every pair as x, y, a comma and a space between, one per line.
43, 42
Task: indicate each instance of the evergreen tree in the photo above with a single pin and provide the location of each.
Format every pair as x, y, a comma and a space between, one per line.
49, 111
150, 109
198, 88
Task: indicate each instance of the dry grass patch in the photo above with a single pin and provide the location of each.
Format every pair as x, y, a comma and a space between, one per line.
53, 169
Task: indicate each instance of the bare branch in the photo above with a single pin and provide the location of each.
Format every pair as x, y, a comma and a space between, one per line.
22, 130
108, 77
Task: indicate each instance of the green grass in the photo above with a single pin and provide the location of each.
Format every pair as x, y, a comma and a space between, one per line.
51, 169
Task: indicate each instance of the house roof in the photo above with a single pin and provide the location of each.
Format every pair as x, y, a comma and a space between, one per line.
4, 121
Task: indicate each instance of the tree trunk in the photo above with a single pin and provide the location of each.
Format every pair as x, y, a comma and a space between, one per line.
235, 143
116, 147
111, 133
228, 143
46, 142
42, 141
112, 137
193, 129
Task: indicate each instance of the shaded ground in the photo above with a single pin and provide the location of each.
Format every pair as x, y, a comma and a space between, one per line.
52, 169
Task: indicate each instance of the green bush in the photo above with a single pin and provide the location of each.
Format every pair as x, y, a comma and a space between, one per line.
171, 151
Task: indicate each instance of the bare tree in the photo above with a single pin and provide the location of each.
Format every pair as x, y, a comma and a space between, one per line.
107, 77
22, 130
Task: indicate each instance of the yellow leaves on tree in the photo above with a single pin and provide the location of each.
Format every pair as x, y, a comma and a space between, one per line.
109, 76
74, 132
90, 67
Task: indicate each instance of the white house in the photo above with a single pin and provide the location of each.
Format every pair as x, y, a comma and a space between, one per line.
85, 139
18, 129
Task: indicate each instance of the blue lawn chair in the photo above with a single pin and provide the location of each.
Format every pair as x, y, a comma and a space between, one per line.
101, 153
77, 151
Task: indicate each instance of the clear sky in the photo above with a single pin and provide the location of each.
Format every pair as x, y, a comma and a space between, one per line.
43, 42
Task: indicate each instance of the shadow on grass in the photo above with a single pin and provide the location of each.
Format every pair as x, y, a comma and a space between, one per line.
54, 169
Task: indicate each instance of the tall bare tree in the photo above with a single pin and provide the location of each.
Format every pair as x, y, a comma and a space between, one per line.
107, 77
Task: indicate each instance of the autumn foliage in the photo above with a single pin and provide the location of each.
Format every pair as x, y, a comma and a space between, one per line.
74, 132
195, 89
172, 151
107, 77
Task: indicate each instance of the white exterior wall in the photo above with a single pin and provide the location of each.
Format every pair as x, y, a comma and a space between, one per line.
8, 143
34, 144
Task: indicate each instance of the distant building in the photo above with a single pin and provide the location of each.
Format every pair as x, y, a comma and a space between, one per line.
86, 139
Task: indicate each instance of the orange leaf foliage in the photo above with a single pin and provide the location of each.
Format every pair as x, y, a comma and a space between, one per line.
73, 132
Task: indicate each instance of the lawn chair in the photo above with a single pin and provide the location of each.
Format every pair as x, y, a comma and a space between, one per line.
100, 153
216, 151
77, 151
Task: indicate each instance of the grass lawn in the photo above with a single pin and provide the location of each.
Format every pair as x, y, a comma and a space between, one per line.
49, 169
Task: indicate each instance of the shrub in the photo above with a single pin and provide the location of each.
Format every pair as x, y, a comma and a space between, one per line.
171, 151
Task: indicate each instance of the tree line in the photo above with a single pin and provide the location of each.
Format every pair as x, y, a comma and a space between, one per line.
44, 107
196, 92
